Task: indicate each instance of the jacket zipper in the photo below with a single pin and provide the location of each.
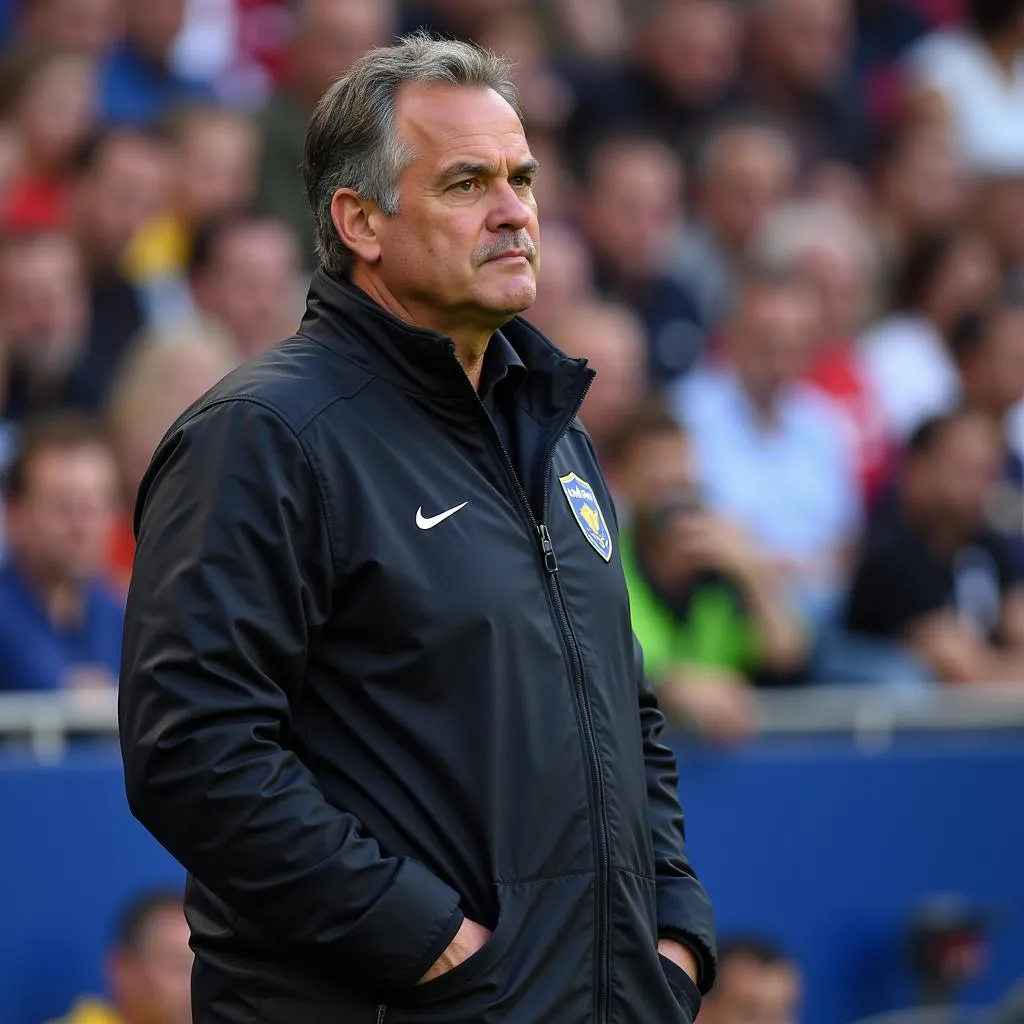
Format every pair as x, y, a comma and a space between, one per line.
575, 658
382, 1012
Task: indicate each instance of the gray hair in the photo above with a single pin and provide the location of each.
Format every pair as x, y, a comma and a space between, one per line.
351, 141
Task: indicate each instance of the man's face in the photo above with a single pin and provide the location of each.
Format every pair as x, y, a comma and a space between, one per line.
961, 473
632, 201
153, 25
773, 338
217, 167
462, 250
926, 185
61, 525
152, 984
124, 190
1001, 214
79, 26
808, 41
253, 283
655, 468
752, 173
43, 303
748, 992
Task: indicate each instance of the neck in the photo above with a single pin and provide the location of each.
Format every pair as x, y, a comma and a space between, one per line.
61, 597
763, 400
470, 339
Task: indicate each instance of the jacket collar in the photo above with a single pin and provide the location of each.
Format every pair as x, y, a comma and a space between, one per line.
422, 362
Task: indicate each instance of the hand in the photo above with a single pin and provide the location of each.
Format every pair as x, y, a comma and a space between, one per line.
469, 939
721, 705
681, 956
706, 542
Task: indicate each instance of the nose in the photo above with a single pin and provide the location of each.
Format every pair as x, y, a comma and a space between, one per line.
509, 212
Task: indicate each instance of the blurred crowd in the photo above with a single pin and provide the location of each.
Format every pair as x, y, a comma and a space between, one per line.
788, 234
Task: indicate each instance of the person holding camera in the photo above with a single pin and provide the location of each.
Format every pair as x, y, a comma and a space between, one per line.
705, 603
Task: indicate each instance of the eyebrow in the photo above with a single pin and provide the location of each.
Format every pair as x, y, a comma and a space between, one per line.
476, 169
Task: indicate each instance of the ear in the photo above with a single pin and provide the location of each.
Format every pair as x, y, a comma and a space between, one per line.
355, 220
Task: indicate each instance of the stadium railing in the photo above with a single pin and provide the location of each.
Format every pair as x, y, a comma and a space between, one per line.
46, 723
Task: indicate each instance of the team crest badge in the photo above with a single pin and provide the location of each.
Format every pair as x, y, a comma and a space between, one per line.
588, 514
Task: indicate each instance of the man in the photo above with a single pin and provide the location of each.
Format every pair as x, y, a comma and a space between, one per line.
245, 273
380, 694
122, 177
631, 197
329, 35
148, 969
81, 26
932, 573
705, 603
59, 627
758, 984
772, 454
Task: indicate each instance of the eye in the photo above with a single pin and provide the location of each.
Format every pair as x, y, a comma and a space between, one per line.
465, 186
521, 180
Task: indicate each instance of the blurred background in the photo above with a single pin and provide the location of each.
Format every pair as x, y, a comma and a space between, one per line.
788, 234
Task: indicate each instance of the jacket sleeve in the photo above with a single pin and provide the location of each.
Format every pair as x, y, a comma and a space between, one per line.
684, 910
233, 578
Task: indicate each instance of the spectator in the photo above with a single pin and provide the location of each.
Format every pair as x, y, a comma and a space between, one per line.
800, 53
329, 36
567, 277
932, 573
215, 173
977, 72
630, 200
907, 355
704, 602
89, 27
165, 373
44, 320
772, 454
612, 340
138, 84
989, 351
59, 627
745, 168
757, 984
1000, 214
676, 80
245, 272
831, 250
149, 969
49, 99
122, 177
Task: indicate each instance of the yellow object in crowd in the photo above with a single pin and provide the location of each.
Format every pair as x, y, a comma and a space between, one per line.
160, 249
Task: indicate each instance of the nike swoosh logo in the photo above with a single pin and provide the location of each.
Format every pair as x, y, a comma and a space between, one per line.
429, 522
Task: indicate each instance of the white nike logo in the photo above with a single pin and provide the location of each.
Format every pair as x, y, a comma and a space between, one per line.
429, 522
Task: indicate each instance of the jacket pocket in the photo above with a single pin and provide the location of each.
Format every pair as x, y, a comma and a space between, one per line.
683, 987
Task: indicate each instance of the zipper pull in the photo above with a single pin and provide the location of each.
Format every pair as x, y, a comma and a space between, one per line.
550, 562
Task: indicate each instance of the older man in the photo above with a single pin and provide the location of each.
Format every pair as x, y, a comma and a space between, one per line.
380, 692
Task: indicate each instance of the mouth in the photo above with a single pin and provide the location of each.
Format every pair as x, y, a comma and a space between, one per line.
510, 256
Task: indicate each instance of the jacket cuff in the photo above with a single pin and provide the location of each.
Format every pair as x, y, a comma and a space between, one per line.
684, 914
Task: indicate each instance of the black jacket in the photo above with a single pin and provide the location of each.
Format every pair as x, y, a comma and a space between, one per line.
354, 721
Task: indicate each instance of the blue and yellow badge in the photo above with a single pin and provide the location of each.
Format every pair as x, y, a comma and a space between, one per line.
589, 516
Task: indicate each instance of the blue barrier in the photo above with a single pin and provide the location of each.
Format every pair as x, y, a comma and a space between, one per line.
815, 841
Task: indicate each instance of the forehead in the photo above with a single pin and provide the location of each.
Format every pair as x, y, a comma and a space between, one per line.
441, 122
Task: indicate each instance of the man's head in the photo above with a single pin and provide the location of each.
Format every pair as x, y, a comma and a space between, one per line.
44, 311
997, 19
803, 45
121, 183
989, 350
150, 966
61, 493
745, 169
153, 26
775, 326
648, 460
830, 249
216, 162
245, 272
420, 179
631, 198
757, 984
79, 26
568, 276
1000, 214
692, 47
951, 468
330, 35
612, 340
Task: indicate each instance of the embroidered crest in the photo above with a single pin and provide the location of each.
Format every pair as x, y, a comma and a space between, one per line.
588, 514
